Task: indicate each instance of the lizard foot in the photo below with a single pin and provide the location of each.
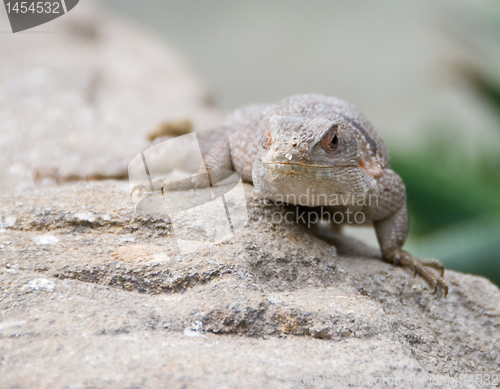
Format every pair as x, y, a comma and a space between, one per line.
195, 182
148, 200
422, 267
142, 190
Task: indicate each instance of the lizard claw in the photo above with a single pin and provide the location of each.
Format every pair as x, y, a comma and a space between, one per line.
397, 261
420, 267
145, 189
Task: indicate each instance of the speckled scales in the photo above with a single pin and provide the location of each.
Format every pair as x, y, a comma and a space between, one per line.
279, 148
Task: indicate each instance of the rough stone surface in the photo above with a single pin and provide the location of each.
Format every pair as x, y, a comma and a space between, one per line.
94, 294
85, 90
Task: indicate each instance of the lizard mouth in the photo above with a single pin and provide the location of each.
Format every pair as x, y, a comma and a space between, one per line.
294, 166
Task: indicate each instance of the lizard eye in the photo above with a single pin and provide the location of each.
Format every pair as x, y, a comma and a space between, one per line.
330, 141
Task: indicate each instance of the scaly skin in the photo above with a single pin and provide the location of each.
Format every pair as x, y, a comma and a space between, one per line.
325, 150
314, 151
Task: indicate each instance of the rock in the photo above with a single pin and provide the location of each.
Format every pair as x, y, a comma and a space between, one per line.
46, 239
7, 221
42, 284
95, 294
195, 330
85, 97
269, 306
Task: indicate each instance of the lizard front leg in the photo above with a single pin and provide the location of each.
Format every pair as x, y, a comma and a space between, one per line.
391, 227
217, 166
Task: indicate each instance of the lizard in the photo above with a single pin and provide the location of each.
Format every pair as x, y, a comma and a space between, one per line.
310, 150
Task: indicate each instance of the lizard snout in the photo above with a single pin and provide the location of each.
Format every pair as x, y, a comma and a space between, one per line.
287, 149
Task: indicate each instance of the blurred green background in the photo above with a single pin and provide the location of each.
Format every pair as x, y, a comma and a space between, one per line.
426, 73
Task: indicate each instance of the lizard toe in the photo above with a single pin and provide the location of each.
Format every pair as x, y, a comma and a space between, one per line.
421, 267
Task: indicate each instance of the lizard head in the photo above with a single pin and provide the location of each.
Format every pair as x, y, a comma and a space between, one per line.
300, 154
315, 142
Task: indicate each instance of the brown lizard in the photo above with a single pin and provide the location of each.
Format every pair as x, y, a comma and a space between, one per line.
313, 150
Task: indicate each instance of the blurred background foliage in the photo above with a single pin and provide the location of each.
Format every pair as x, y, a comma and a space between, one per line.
453, 198
425, 72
